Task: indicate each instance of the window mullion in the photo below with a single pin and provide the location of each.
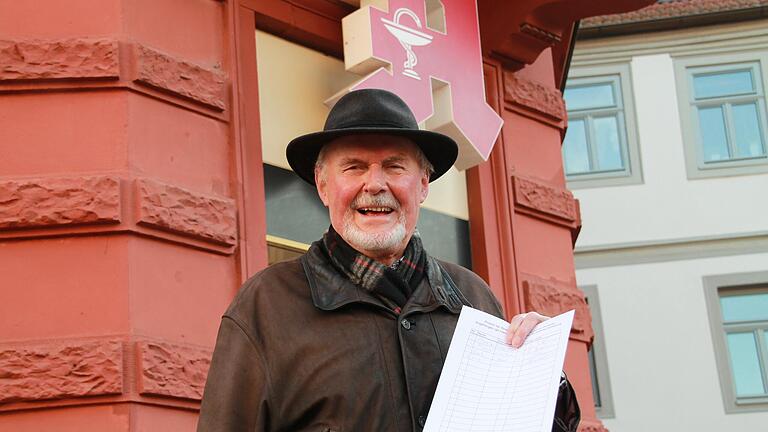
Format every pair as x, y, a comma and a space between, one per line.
591, 145
744, 326
696, 122
601, 112
618, 94
743, 98
708, 103
761, 124
763, 357
623, 142
730, 134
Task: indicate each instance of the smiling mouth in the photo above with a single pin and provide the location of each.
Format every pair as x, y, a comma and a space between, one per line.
374, 211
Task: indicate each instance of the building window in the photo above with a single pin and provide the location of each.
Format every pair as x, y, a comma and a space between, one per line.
739, 318
598, 360
600, 148
745, 322
723, 112
730, 113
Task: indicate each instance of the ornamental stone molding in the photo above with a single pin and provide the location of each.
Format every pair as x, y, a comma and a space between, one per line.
81, 58
586, 426
179, 77
171, 370
552, 204
33, 207
42, 202
62, 63
552, 297
64, 369
541, 34
535, 98
171, 208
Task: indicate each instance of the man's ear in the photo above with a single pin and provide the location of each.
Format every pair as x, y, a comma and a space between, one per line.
322, 189
424, 188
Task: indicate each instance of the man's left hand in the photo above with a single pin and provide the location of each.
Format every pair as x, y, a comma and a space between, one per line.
521, 326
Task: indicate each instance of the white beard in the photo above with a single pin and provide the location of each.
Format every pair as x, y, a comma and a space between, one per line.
379, 242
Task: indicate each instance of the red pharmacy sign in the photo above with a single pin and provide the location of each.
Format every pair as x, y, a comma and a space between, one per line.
430, 58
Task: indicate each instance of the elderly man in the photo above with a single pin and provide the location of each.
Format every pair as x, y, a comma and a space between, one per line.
352, 336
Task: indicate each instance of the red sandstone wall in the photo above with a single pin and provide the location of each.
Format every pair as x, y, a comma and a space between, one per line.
118, 210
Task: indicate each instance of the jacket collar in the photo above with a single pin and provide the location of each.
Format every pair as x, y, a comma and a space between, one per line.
331, 290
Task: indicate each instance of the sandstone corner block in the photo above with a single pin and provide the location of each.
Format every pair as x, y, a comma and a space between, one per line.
534, 96
550, 203
552, 297
184, 79
41, 202
62, 370
174, 209
172, 370
58, 59
586, 426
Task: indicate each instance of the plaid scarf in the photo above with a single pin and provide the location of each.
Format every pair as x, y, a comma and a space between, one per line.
393, 284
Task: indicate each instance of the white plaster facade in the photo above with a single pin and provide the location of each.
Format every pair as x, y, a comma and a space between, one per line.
648, 246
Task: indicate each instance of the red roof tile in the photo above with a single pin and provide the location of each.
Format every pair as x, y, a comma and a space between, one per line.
672, 9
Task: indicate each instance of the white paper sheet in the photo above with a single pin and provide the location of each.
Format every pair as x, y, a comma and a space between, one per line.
489, 386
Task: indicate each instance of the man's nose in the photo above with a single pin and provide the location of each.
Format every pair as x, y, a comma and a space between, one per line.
375, 182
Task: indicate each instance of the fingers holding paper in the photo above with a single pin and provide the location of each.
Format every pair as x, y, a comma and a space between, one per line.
521, 326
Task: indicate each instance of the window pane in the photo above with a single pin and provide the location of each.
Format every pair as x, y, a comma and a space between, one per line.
748, 307
712, 127
575, 150
746, 367
589, 96
608, 144
746, 129
723, 84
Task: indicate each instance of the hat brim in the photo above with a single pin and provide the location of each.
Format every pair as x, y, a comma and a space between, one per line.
440, 150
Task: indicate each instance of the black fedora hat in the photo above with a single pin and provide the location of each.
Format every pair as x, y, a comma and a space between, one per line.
370, 111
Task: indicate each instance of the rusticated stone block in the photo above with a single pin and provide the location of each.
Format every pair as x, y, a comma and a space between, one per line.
62, 370
178, 210
172, 370
58, 59
533, 96
59, 201
552, 297
585, 426
178, 77
540, 200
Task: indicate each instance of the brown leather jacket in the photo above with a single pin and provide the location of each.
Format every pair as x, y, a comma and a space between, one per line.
301, 348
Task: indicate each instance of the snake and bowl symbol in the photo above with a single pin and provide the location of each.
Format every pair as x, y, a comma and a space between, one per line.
408, 38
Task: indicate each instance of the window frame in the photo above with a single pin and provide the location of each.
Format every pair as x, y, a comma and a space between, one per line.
283, 249
685, 67
598, 348
620, 76
713, 287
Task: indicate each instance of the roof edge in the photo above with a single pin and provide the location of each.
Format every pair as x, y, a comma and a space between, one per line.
673, 23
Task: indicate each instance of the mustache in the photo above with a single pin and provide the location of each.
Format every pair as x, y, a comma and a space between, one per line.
378, 200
